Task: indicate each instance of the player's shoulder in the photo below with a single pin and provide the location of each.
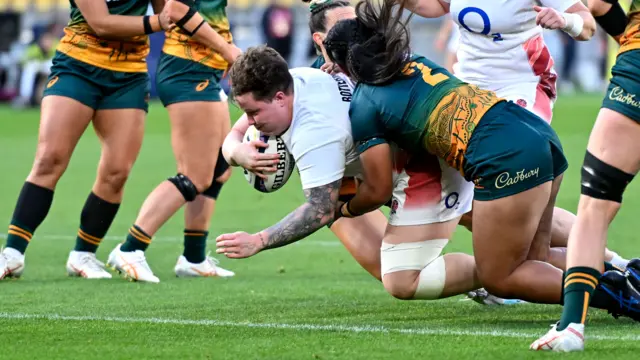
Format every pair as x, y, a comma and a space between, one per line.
309, 74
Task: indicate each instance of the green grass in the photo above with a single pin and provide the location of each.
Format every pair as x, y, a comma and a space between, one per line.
306, 301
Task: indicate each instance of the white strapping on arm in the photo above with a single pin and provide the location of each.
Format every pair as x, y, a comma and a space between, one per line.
574, 25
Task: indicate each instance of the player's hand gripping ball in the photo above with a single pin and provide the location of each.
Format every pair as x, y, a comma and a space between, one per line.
269, 145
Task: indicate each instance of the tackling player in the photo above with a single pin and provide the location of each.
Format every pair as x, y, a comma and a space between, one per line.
406, 99
501, 48
410, 182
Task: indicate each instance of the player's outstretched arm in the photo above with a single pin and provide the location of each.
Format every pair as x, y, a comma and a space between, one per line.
315, 213
190, 21
309, 217
108, 25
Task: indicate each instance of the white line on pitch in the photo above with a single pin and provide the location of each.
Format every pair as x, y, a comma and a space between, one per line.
308, 327
171, 239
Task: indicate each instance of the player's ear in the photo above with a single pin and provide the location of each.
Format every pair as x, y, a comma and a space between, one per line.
279, 98
318, 38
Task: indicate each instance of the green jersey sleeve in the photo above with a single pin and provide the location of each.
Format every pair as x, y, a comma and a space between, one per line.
366, 128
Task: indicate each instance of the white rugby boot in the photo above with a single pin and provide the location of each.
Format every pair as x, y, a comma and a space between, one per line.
86, 265
208, 268
11, 263
131, 265
569, 339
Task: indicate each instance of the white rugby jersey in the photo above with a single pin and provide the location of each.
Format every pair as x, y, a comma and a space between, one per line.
319, 137
500, 42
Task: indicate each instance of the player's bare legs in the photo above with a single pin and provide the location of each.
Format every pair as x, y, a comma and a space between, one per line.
62, 123
563, 220
613, 141
414, 269
362, 237
517, 230
120, 132
197, 220
610, 163
196, 141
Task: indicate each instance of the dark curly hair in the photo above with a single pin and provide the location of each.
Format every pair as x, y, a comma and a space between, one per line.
374, 47
262, 72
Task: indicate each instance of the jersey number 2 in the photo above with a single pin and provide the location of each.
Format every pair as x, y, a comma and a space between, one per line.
427, 76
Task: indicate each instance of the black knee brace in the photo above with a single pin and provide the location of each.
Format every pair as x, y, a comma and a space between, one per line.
603, 181
185, 186
221, 166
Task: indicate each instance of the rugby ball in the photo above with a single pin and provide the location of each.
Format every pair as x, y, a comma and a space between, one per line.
285, 166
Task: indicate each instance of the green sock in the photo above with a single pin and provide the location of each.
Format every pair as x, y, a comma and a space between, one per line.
95, 220
195, 244
137, 239
18, 237
579, 285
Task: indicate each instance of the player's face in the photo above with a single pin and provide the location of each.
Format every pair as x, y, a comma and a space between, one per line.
332, 17
270, 117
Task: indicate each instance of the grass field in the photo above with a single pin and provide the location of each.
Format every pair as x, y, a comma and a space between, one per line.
306, 301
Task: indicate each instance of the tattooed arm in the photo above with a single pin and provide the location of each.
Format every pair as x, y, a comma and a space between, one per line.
315, 213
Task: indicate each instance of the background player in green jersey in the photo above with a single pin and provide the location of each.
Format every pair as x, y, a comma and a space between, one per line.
610, 163
99, 75
514, 158
195, 55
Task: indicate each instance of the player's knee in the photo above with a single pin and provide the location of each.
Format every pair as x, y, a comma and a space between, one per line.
199, 180
114, 178
603, 181
49, 164
414, 270
185, 185
401, 284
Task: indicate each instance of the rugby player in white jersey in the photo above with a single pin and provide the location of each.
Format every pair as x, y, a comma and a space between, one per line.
501, 48
308, 109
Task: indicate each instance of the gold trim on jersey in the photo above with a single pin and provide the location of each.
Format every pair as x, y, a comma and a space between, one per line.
181, 45
453, 121
129, 55
631, 38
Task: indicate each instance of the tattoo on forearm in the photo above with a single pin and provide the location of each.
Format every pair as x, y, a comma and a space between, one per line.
305, 220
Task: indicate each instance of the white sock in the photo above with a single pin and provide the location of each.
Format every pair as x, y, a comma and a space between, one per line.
619, 262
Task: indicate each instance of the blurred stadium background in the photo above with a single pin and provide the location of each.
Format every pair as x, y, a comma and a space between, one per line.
29, 30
